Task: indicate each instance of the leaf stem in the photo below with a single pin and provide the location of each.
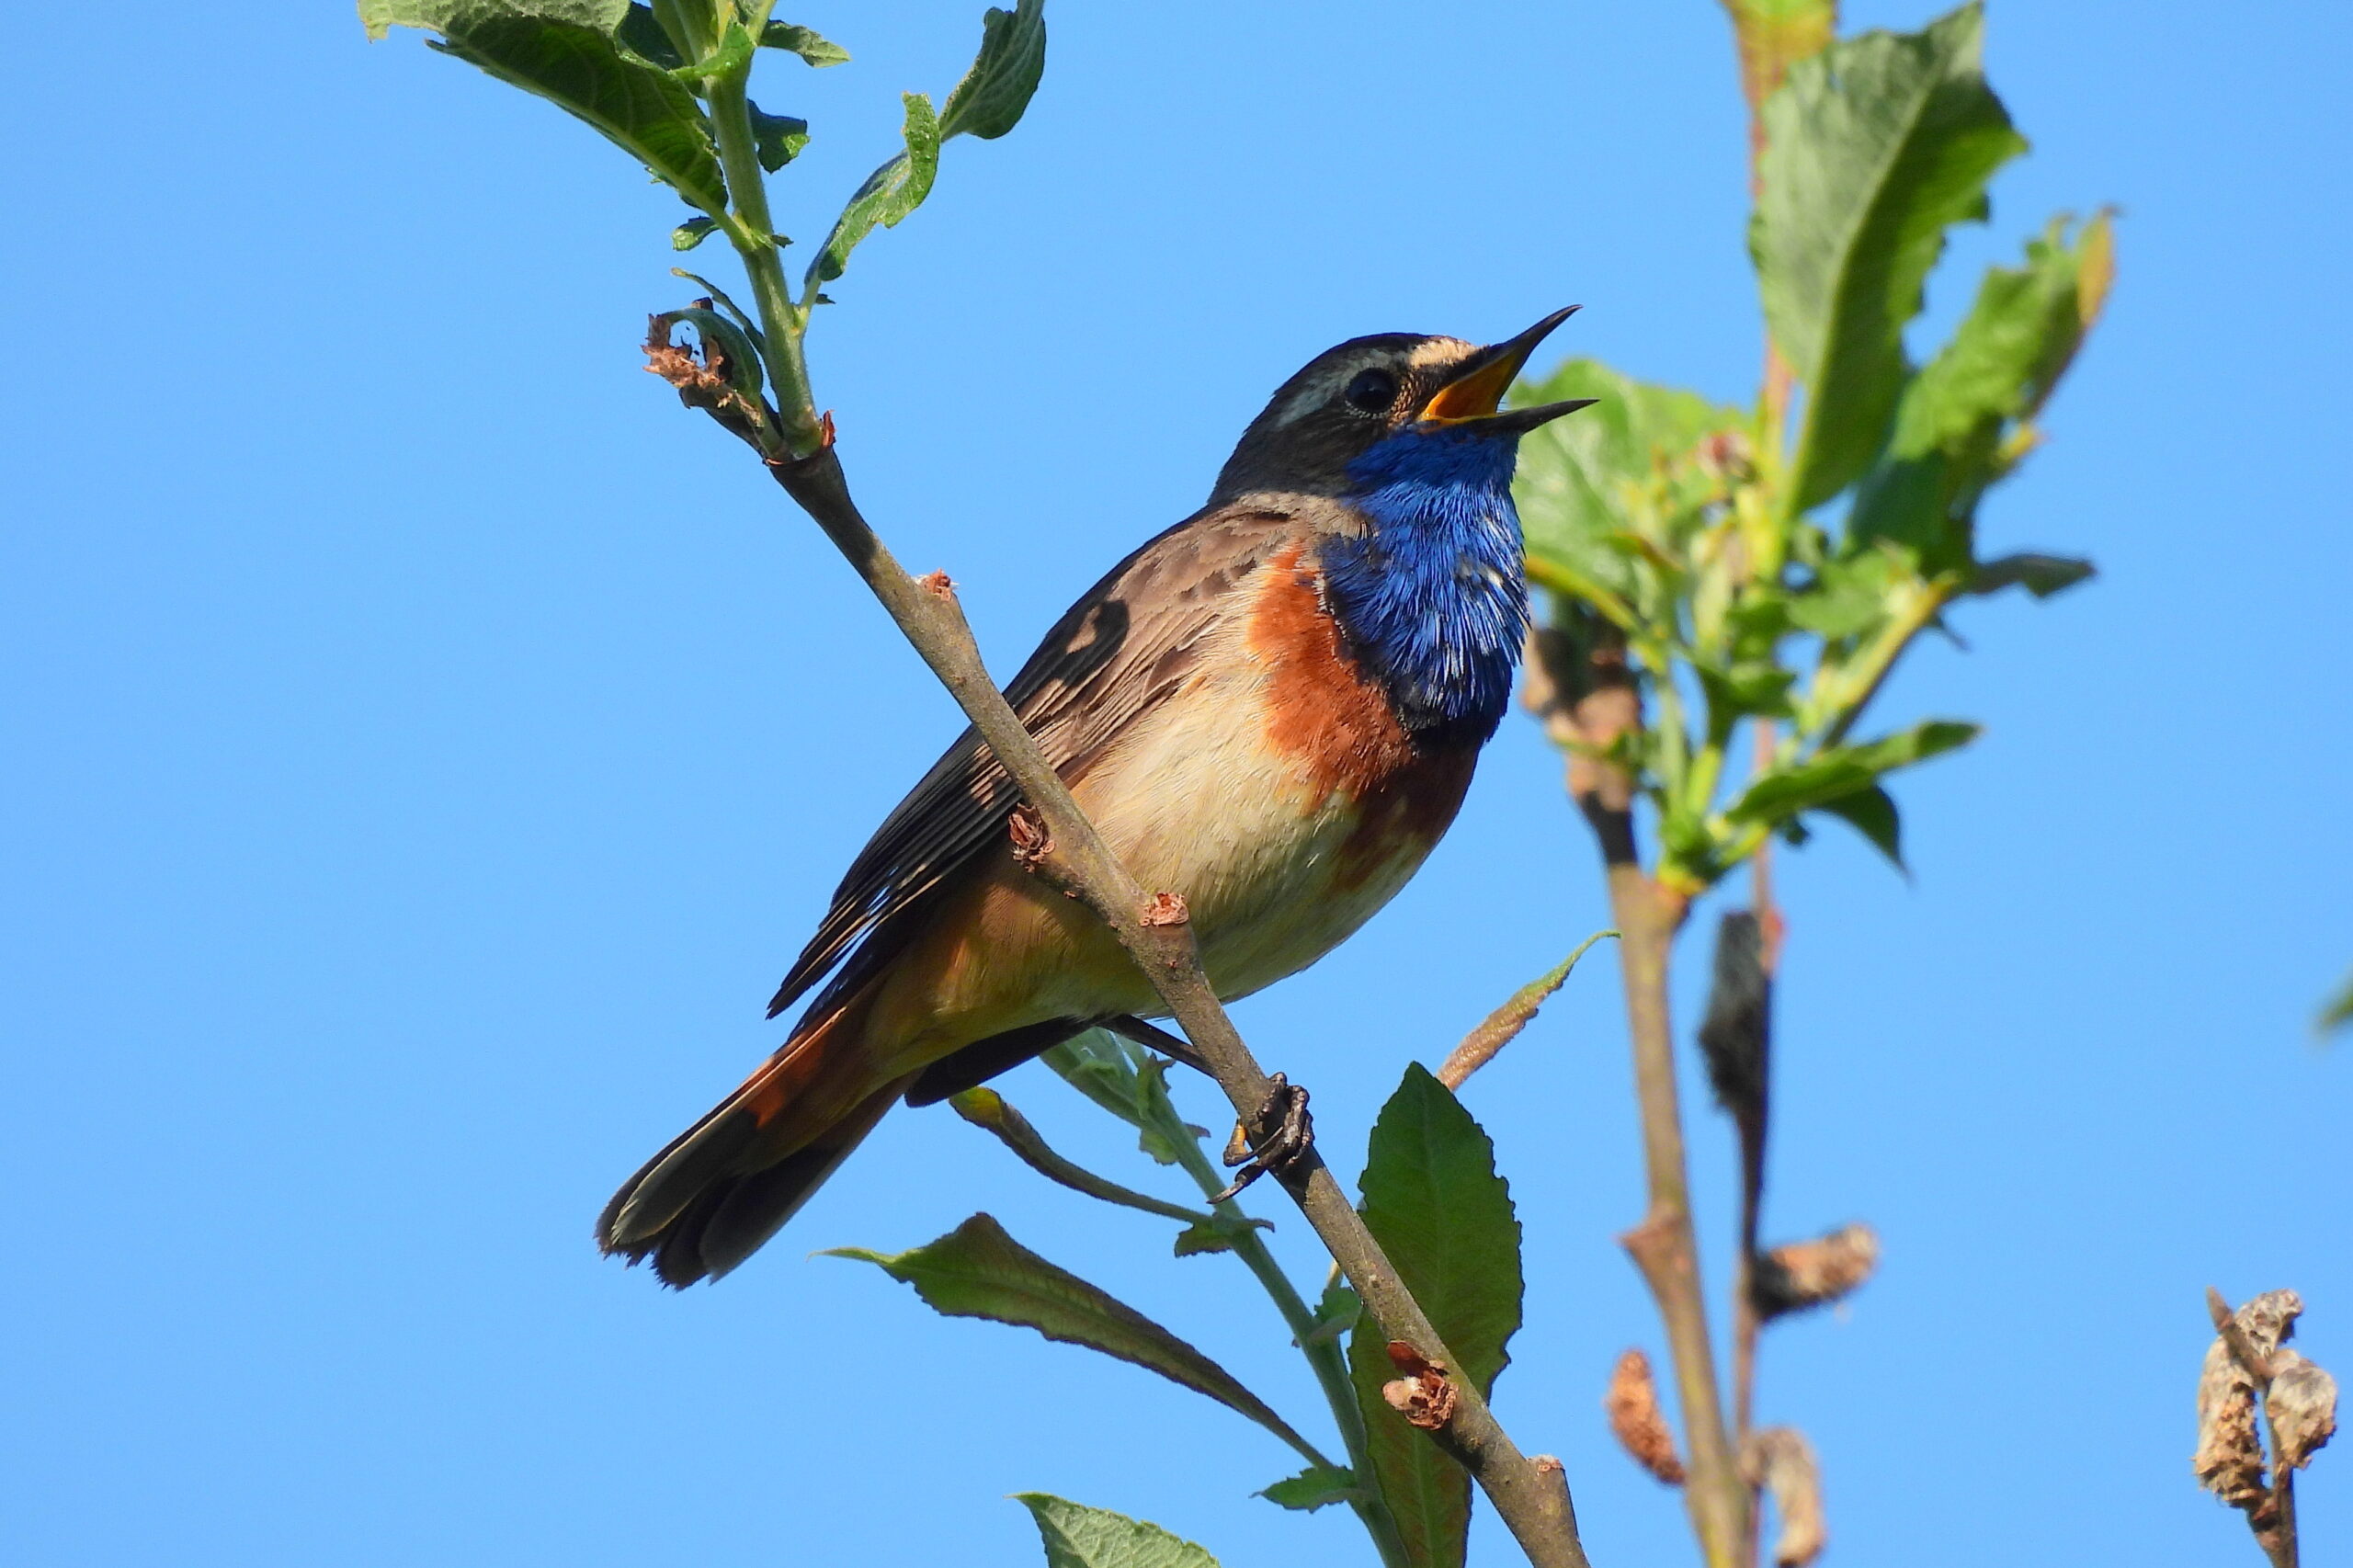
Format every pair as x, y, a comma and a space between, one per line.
1854, 689
753, 234
1324, 1354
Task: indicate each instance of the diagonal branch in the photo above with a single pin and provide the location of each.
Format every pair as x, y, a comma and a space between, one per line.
1531, 1498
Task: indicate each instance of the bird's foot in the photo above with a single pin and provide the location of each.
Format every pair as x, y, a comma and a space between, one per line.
1274, 1139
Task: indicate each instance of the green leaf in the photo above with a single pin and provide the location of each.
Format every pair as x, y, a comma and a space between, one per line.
1961, 425
989, 99
1336, 1311
1100, 1066
804, 42
1434, 1202
1316, 1487
1157, 1143
1112, 1073
731, 57
779, 137
1077, 1536
692, 233
2338, 1010
380, 15
641, 34
564, 52
1772, 34
1841, 771
1201, 1236
1872, 149
1850, 595
889, 194
1585, 483
977, 1270
2041, 575
735, 312
1873, 813
1750, 686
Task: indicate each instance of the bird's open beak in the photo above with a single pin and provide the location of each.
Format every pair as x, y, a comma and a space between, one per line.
1477, 391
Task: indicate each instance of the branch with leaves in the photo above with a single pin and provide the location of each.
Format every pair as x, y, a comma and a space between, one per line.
669, 84
1715, 571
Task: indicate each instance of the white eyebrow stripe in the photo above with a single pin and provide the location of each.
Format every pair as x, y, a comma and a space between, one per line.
1321, 391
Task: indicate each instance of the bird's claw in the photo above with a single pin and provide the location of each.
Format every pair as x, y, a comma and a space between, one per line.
1273, 1140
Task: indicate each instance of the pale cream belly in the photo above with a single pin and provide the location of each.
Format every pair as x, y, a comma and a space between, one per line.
1276, 868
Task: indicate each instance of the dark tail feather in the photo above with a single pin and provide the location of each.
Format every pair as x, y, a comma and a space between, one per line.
730, 1216
706, 1203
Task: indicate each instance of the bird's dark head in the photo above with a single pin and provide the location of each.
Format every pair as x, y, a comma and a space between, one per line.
1398, 386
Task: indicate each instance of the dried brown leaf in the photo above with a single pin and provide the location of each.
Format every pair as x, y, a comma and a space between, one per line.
1165, 909
1031, 841
1799, 1274
1736, 1035
1424, 1396
702, 380
1503, 1026
2302, 1403
1635, 1417
1779, 1459
2269, 1320
2229, 1461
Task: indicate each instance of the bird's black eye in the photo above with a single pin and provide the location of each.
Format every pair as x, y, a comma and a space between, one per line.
1371, 390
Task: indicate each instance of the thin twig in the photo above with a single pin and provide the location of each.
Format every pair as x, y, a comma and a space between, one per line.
1664, 1245
1533, 1502
2243, 1350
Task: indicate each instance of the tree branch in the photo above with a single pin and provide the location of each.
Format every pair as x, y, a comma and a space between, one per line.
1664, 1245
1532, 1500
1583, 690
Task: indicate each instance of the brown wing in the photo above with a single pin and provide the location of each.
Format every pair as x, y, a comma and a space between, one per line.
1125, 645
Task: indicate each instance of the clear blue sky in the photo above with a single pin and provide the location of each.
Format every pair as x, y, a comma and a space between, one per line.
428, 744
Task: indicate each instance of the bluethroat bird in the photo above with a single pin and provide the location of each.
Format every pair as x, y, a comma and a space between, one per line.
1274, 709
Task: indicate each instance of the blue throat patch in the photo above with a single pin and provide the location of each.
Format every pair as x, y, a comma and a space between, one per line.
1434, 598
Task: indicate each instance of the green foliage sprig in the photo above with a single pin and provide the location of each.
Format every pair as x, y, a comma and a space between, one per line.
668, 84
1693, 536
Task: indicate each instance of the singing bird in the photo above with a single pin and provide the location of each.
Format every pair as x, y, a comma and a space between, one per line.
1273, 709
